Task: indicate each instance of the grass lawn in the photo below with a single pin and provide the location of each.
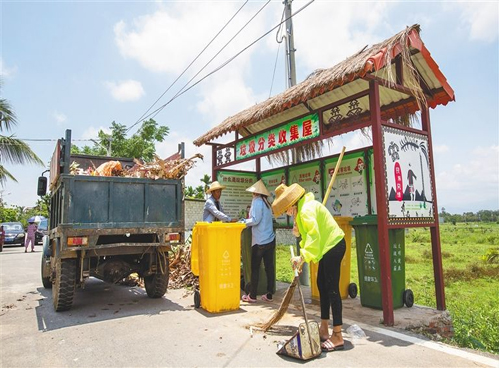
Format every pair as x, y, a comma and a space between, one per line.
471, 274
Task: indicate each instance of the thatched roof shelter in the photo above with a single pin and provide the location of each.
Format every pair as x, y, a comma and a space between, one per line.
403, 54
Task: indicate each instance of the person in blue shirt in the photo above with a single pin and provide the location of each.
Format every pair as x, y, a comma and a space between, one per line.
262, 242
213, 210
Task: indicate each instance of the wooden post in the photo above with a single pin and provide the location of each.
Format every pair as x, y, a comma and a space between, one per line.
213, 163
435, 230
381, 206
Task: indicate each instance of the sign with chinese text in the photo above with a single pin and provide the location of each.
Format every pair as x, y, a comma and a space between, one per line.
407, 177
271, 180
309, 177
348, 197
235, 200
276, 138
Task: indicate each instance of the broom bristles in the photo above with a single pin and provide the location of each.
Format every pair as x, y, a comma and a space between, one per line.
276, 317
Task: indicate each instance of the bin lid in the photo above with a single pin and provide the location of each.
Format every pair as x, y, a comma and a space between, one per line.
365, 220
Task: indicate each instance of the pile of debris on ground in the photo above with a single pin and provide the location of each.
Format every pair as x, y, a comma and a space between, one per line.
181, 275
157, 169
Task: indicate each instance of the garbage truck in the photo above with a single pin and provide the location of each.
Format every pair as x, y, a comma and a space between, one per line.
107, 227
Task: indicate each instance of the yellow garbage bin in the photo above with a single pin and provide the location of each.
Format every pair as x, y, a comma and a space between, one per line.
195, 248
346, 288
219, 253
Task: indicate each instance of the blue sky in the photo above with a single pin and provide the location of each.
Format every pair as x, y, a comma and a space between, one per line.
81, 65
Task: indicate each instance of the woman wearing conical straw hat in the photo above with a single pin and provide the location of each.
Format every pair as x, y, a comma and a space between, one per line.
262, 241
322, 240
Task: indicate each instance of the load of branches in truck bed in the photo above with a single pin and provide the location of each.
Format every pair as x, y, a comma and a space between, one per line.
181, 275
157, 169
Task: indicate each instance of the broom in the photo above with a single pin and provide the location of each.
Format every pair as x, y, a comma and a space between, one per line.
276, 317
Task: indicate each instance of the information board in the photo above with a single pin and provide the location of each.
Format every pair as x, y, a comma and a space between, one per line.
348, 196
308, 176
235, 200
407, 177
272, 179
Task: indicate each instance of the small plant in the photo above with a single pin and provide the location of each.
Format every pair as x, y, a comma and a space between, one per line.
491, 256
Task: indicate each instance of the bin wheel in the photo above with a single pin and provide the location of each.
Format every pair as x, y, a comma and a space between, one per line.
408, 298
352, 290
197, 299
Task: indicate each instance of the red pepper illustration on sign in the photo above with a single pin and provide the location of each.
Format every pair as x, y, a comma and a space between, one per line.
399, 194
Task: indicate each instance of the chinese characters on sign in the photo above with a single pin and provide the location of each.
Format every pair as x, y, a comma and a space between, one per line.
283, 136
348, 196
308, 176
408, 180
235, 200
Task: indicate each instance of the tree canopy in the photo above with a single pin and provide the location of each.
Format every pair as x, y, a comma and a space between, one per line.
141, 145
12, 150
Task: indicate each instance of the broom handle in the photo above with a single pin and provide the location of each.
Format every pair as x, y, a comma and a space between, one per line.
331, 182
302, 303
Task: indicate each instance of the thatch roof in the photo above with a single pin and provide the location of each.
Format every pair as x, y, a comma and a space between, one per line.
325, 86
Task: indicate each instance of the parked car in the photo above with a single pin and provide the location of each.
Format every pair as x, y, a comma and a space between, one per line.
14, 233
43, 230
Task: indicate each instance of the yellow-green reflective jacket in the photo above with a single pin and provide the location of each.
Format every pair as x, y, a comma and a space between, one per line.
318, 229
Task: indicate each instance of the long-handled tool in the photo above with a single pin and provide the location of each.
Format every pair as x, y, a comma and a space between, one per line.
276, 317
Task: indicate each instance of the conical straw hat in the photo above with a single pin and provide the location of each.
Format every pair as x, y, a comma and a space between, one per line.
259, 188
214, 186
286, 197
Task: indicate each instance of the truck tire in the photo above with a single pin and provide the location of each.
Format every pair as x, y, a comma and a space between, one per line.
64, 284
157, 283
47, 283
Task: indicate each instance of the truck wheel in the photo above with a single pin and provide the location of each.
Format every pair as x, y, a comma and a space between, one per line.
157, 283
64, 285
47, 284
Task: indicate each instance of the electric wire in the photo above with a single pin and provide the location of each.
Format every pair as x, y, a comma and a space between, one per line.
279, 41
155, 112
187, 68
181, 91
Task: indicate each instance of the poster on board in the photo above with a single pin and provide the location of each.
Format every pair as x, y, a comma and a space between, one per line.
372, 181
271, 180
236, 201
348, 196
408, 181
308, 176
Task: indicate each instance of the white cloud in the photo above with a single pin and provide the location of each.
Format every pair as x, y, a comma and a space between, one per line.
59, 117
125, 91
328, 32
5, 71
471, 183
92, 132
482, 20
440, 148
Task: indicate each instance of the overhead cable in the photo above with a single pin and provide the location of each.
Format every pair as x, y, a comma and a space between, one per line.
185, 70
155, 112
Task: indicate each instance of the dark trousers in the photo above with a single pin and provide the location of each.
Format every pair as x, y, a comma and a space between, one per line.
328, 283
265, 252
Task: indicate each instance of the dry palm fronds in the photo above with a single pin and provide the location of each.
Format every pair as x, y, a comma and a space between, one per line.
163, 169
110, 168
181, 275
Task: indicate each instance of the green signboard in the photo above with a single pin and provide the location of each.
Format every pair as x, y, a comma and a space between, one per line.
280, 137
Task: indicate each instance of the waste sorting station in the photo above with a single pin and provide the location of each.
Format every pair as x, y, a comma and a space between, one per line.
386, 91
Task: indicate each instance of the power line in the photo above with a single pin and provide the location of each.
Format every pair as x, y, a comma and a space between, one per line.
185, 70
155, 112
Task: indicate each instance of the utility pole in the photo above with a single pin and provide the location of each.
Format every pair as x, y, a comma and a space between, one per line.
291, 81
290, 46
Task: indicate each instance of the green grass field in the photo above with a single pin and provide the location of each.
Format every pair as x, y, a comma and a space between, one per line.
470, 258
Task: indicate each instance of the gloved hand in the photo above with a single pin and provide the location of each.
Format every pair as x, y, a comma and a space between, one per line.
297, 263
242, 221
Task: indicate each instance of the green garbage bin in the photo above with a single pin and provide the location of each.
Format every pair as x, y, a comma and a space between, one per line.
246, 266
366, 239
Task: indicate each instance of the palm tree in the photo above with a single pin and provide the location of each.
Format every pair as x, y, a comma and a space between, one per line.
12, 150
206, 180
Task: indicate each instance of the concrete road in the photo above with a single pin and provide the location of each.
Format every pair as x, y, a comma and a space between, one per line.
118, 326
